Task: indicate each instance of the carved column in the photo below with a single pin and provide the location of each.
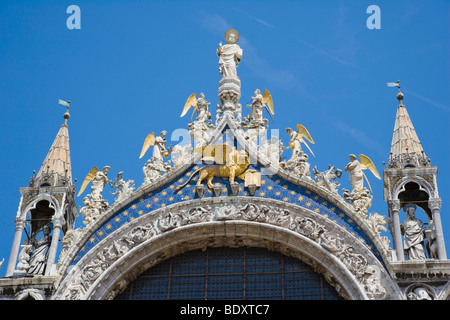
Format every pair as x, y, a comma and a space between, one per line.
20, 225
435, 206
394, 209
58, 222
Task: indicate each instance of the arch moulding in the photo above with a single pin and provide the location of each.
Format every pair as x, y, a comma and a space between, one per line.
123, 255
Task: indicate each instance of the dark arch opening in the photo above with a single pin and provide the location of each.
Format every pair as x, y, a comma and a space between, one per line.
413, 194
39, 216
230, 273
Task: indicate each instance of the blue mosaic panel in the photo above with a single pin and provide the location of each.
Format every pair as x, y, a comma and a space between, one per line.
272, 187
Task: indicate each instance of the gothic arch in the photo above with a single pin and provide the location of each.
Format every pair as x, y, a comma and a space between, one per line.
421, 182
294, 231
53, 203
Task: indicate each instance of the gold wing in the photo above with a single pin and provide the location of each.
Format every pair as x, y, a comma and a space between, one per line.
149, 141
302, 132
219, 153
366, 163
90, 176
267, 98
190, 102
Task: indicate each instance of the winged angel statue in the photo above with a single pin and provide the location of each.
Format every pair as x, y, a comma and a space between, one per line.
355, 170
299, 137
155, 166
260, 101
158, 144
200, 106
198, 129
360, 197
94, 202
99, 179
298, 162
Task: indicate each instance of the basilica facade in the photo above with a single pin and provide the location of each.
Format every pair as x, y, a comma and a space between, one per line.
226, 218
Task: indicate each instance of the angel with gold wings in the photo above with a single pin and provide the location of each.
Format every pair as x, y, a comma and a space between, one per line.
159, 146
298, 137
200, 106
259, 102
355, 170
99, 179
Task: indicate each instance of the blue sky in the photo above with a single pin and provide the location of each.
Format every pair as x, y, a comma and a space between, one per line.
131, 66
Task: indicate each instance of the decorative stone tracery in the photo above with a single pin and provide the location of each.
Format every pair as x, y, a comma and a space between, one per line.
155, 237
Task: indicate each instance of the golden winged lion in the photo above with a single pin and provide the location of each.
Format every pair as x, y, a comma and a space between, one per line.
230, 164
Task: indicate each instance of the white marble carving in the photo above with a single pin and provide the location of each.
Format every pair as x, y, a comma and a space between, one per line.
123, 188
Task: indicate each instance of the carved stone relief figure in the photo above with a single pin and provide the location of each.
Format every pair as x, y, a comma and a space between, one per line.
368, 275
372, 283
24, 258
92, 209
123, 188
153, 170
99, 182
327, 179
419, 293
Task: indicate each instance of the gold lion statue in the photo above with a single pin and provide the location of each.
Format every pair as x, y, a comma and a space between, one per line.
230, 164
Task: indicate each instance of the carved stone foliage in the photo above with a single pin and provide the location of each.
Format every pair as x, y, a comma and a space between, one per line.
335, 242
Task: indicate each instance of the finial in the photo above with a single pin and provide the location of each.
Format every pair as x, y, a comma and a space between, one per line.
67, 114
400, 95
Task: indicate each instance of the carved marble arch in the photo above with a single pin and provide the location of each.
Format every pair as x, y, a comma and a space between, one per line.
121, 257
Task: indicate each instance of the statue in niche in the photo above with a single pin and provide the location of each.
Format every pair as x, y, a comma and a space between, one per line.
41, 246
413, 231
230, 55
431, 243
